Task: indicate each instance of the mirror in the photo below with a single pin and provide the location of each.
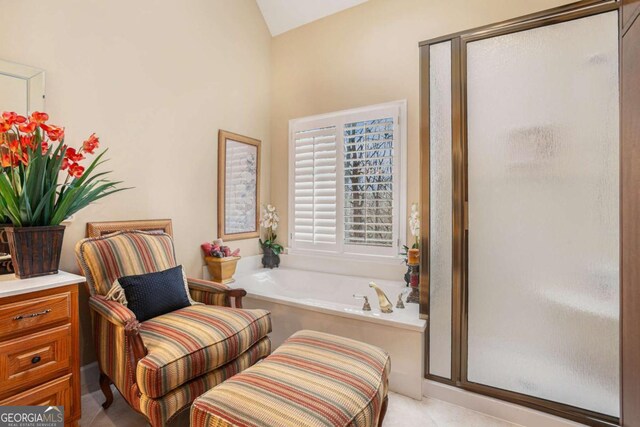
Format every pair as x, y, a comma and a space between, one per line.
238, 186
22, 91
21, 88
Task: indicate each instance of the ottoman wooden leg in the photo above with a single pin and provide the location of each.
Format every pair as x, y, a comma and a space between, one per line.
383, 410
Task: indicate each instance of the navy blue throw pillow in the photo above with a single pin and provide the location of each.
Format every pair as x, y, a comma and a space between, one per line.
150, 295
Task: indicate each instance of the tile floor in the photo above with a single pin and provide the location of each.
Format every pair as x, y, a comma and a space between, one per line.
402, 412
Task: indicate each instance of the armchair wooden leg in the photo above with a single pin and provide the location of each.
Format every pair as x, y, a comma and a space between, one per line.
105, 386
383, 410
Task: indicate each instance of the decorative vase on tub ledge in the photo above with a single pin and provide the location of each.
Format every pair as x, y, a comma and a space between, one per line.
221, 262
412, 276
33, 196
222, 269
270, 258
270, 249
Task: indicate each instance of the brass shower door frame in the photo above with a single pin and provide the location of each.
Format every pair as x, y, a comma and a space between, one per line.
460, 285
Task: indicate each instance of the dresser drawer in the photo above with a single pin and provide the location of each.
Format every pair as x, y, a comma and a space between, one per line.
54, 393
33, 359
28, 315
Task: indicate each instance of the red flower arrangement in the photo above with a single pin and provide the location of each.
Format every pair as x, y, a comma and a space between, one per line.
32, 154
23, 140
217, 250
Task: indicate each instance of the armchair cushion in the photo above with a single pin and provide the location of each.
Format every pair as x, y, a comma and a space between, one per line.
153, 294
194, 340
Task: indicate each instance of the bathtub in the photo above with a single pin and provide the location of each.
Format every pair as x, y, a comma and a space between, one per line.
300, 299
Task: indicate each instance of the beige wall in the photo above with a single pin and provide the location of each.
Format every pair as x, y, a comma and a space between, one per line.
363, 56
155, 79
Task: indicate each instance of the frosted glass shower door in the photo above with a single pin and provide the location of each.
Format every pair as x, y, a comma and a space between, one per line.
543, 248
440, 205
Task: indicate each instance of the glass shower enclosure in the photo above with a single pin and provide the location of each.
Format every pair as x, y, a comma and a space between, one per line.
523, 236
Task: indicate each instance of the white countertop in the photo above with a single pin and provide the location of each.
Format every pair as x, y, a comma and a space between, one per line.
10, 285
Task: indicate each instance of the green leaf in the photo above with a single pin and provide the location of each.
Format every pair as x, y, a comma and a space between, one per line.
63, 205
5, 212
35, 181
87, 202
25, 208
96, 162
44, 202
10, 200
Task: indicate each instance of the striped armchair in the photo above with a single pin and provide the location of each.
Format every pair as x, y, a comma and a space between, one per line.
161, 365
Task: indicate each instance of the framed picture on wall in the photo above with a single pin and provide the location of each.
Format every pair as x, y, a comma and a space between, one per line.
238, 186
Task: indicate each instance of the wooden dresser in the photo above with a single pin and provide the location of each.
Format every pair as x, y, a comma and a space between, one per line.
39, 350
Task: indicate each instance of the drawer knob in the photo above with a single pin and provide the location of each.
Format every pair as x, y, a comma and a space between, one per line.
35, 359
29, 316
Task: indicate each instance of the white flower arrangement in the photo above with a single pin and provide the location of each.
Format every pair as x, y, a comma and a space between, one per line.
269, 220
414, 222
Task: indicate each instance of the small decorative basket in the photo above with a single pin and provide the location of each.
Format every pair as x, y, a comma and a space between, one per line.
222, 269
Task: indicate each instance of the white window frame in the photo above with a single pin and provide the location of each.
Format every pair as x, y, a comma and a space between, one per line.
339, 118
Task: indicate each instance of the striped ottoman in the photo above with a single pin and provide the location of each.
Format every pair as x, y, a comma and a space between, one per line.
312, 380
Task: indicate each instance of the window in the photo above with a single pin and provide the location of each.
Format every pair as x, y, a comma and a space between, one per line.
346, 181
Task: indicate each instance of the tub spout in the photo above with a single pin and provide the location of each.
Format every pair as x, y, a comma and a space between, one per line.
385, 304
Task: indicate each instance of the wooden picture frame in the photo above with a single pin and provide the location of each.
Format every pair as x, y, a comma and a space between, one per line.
97, 229
238, 212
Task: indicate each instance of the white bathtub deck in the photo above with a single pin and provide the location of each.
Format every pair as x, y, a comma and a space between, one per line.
331, 294
324, 302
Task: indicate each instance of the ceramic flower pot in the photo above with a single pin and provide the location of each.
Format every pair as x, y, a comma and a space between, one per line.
222, 269
270, 259
35, 251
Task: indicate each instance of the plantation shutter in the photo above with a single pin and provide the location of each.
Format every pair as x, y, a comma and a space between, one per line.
371, 160
345, 182
315, 186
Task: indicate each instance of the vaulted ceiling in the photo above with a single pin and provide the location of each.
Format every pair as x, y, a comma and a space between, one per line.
284, 15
